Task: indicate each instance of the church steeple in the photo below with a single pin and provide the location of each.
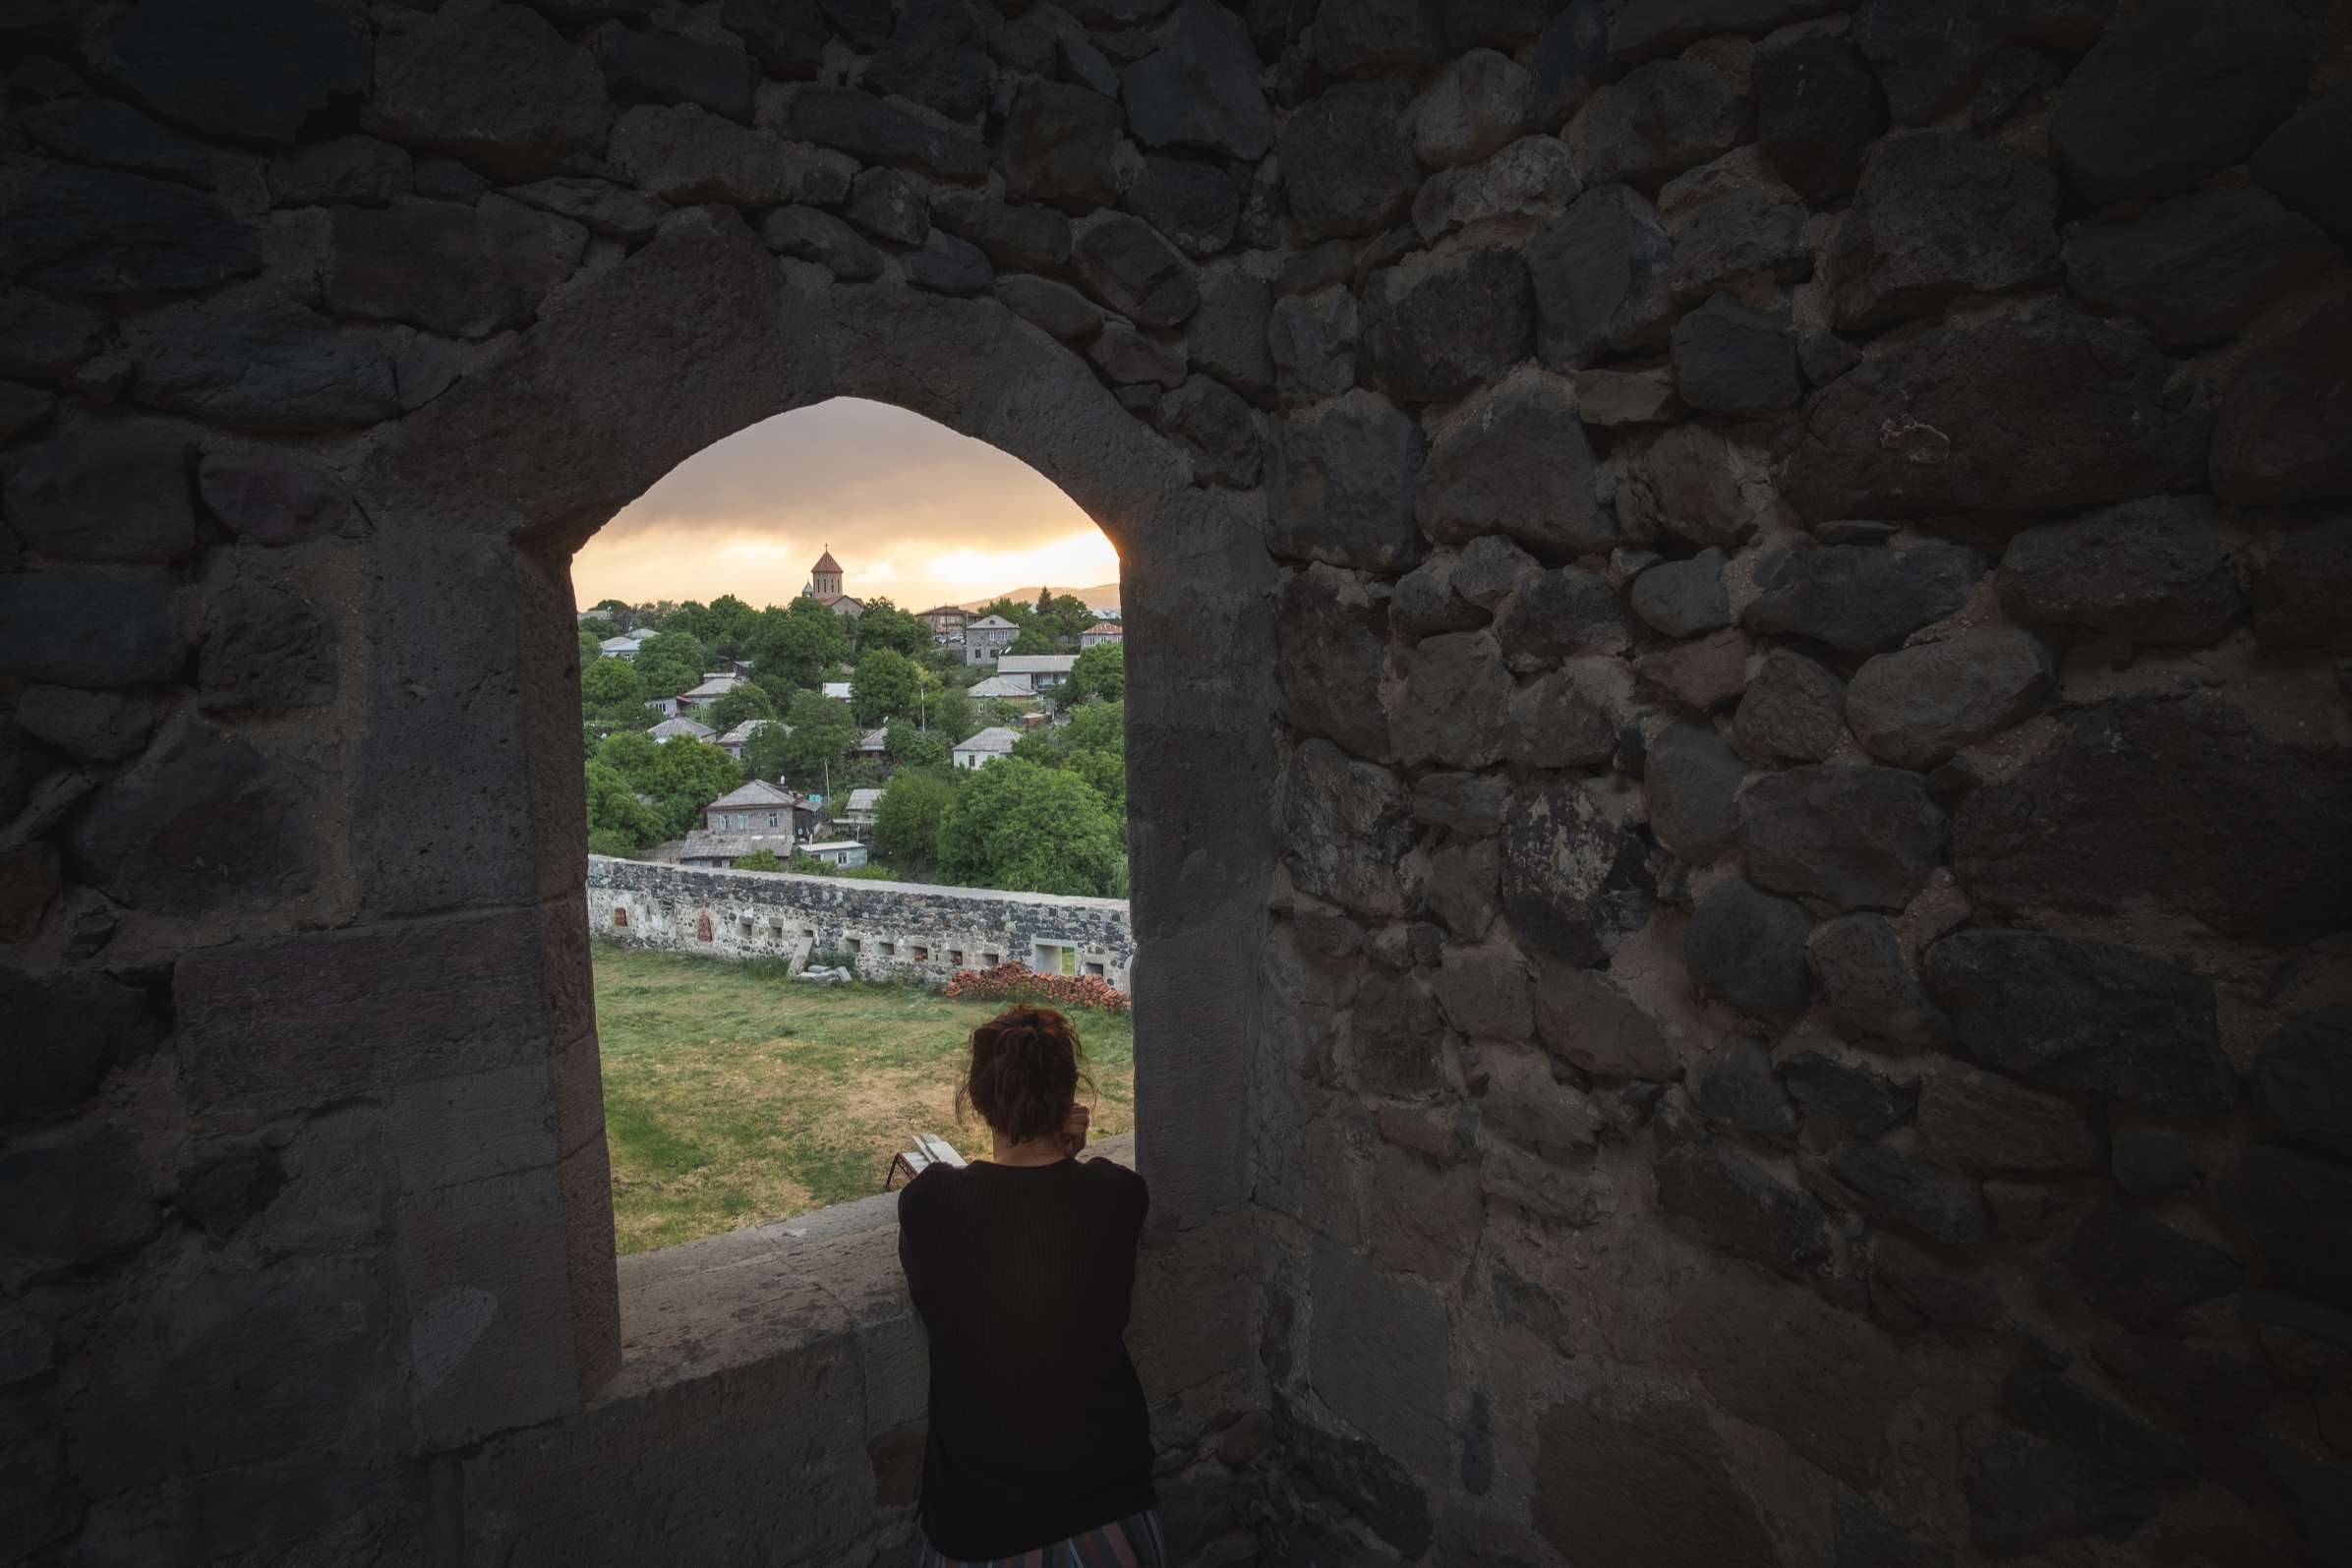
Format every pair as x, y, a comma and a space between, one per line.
824, 578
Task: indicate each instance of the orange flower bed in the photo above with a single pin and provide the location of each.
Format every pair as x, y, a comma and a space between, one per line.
1017, 982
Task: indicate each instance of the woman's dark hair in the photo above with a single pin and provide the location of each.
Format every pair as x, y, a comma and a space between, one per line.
1026, 1067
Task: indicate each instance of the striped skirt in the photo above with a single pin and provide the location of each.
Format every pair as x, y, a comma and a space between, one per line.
1131, 1542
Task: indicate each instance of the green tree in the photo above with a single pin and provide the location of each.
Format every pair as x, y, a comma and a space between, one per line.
636, 757
1044, 601
611, 688
695, 771
883, 687
1033, 639
745, 701
1023, 827
1013, 609
728, 625
801, 646
1096, 726
760, 859
590, 647
671, 661
885, 625
1100, 671
1067, 616
906, 819
692, 617
910, 747
617, 821
766, 750
822, 730
1105, 772
1037, 746
949, 714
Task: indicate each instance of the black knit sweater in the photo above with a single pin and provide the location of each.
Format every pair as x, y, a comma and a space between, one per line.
1022, 1276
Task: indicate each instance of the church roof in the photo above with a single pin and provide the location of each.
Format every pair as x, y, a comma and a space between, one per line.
826, 563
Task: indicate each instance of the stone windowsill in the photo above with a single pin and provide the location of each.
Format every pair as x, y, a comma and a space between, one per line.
726, 1302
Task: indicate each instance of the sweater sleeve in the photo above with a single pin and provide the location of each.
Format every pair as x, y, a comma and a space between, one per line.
912, 1212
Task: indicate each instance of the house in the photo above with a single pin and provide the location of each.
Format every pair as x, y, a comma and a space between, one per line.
619, 647
986, 637
838, 690
824, 586
1006, 688
1102, 631
985, 747
873, 743
715, 685
857, 815
669, 729
945, 619
734, 742
1044, 670
756, 806
839, 853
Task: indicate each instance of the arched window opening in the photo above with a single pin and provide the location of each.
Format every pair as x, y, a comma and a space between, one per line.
840, 652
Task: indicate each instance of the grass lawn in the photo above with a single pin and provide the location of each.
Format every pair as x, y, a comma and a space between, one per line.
735, 1096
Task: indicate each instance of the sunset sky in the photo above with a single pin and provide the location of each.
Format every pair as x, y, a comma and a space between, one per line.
914, 512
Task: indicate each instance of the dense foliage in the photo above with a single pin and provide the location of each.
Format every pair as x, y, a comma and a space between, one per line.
1023, 828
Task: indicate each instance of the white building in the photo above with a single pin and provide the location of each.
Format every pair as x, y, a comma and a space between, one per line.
873, 743
838, 690
669, 729
985, 747
1044, 670
1008, 688
734, 742
1102, 631
838, 851
620, 647
857, 814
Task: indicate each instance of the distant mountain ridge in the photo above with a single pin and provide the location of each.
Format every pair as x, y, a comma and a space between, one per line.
1101, 596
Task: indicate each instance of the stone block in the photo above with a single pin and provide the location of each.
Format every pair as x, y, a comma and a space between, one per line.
2140, 1271
1533, 178
1986, 1123
1871, 992
1646, 1482
1365, 1481
1941, 1204
2197, 268
1915, 707
1514, 460
2296, 161
2271, 439
1450, 701
1738, 1207
263, 645
1131, 269
1228, 335
71, 1025
1437, 325
273, 500
1357, 35
80, 1192
2085, 1015
684, 155
1575, 882
1377, 1355
1661, 119
1397, 1036
1196, 205
1939, 215
2303, 589
1591, 1023
946, 264
1347, 160
1060, 146
1730, 358
117, 491
1557, 721
2301, 1085
1853, 1098
668, 67
489, 83
298, 1021
2153, 571
1860, 598
2047, 410
2174, 92
1560, 616
1858, 838
1747, 949
98, 231
1479, 103
2297, 1210
1736, 1086
1199, 88
1421, 1216
1818, 109
1341, 481
2138, 780
1600, 278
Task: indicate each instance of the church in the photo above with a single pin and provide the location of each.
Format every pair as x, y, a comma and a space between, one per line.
824, 586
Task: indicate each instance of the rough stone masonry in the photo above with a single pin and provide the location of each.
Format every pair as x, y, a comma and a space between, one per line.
1741, 779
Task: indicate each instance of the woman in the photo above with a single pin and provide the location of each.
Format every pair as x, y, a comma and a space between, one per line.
1039, 1451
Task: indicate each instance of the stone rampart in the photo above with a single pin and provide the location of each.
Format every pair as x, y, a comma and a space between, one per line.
884, 930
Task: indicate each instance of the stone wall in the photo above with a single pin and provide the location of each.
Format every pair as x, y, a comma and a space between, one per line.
1767, 984
885, 930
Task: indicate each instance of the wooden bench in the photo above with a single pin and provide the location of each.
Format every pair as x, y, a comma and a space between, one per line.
927, 1152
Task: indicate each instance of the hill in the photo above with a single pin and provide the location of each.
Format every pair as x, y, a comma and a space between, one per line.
1101, 596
